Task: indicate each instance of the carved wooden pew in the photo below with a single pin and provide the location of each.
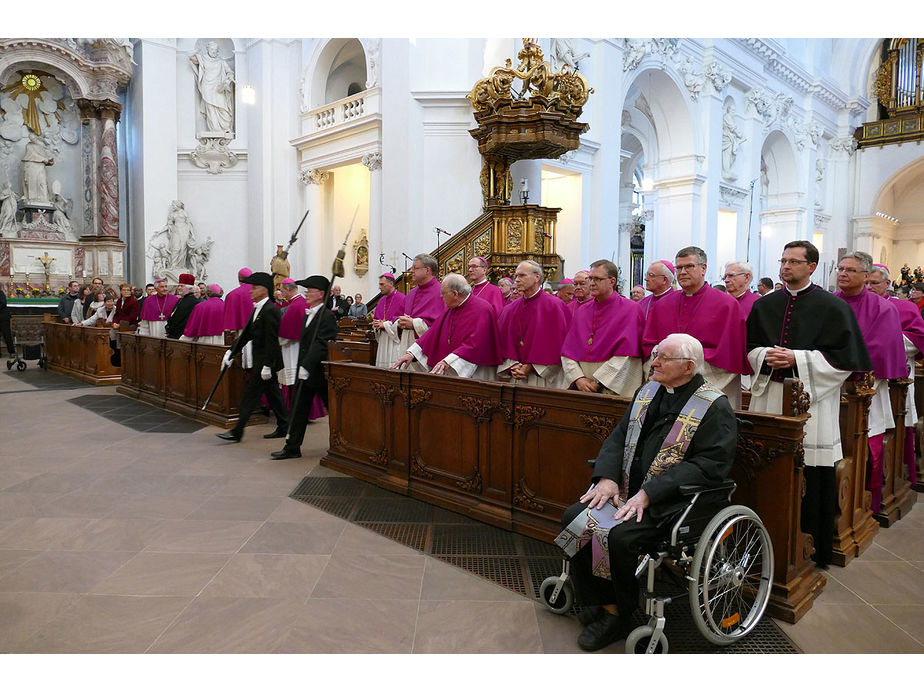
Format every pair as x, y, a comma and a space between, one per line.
355, 342
919, 425
897, 496
81, 352
178, 376
854, 524
515, 457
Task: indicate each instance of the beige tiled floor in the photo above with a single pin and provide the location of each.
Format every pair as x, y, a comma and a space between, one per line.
117, 541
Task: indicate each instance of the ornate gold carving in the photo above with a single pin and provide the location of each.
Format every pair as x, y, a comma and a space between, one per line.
496, 181
418, 468
539, 237
479, 409
455, 263
524, 498
514, 235
472, 483
600, 426
385, 392
883, 86
381, 457
565, 91
482, 244
361, 254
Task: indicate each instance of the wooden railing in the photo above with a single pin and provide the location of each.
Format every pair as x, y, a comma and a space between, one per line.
81, 352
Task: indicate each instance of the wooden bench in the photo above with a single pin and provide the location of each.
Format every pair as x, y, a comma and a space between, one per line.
81, 352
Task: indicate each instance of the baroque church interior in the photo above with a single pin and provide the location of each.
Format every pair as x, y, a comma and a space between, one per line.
139, 158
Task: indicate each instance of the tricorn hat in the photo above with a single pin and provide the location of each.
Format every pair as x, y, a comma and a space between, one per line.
315, 281
260, 279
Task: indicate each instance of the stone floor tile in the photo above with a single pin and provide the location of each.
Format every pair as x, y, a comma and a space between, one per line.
295, 537
93, 623
163, 574
236, 508
63, 571
230, 625
849, 629
443, 582
352, 626
372, 577
267, 575
358, 540
23, 613
883, 583
469, 627
203, 536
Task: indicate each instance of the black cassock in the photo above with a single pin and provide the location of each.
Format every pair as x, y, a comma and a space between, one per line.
812, 320
176, 323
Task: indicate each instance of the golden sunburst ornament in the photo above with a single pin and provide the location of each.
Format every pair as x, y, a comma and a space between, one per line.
31, 82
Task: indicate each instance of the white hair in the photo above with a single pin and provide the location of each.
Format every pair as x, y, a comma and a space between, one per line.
456, 282
688, 347
742, 266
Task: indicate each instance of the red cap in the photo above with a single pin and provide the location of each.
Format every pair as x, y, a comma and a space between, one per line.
187, 279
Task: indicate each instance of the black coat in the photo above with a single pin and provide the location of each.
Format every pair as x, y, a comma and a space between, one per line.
338, 305
708, 460
176, 323
312, 352
263, 332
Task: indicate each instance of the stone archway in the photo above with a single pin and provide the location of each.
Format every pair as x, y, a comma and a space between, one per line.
897, 218
782, 216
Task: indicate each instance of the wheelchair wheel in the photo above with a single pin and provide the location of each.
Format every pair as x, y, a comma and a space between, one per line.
21, 366
639, 639
731, 576
563, 600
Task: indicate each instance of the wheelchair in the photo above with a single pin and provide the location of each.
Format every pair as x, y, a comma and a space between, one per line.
726, 558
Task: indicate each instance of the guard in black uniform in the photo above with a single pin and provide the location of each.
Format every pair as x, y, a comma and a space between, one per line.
262, 330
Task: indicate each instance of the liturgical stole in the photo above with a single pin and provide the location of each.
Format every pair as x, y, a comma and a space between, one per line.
593, 526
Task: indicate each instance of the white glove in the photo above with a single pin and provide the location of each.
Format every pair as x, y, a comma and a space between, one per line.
302, 373
266, 373
227, 360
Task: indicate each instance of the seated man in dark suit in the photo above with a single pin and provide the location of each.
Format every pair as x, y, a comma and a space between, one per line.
312, 350
262, 330
679, 430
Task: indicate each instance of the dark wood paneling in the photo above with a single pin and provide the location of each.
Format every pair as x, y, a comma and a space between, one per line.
81, 352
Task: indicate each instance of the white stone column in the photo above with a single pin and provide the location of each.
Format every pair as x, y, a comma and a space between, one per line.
373, 161
677, 217
312, 251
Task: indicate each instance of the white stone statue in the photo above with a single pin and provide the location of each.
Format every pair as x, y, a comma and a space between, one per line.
563, 54
198, 257
34, 177
61, 216
731, 140
215, 81
174, 249
8, 199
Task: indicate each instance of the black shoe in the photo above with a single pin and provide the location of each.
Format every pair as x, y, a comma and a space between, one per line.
278, 433
285, 454
589, 615
606, 631
229, 435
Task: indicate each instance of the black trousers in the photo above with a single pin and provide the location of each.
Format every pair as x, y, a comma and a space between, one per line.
819, 506
298, 418
250, 401
627, 541
7, 336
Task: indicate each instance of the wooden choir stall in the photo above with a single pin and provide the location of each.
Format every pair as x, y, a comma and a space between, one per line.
178, 377
516, 457
81, 352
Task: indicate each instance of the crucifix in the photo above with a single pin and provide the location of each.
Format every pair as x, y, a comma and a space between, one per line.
46, 263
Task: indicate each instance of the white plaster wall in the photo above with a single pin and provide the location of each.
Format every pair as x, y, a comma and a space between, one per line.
152, 145
566, 192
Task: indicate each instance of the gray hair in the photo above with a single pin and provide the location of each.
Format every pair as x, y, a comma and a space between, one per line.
428, 261
865, 260
665, 271
506, 280
456, 282
742, 266
884, 271
534, 266
688, 347
693, 250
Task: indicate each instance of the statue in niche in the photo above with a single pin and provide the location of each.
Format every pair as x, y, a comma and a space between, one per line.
34, 177
61, 215
8, 199
175, 250
215, 81
731, 140
819, 183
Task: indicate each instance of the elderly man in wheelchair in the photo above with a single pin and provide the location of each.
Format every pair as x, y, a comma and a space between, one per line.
659, 479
